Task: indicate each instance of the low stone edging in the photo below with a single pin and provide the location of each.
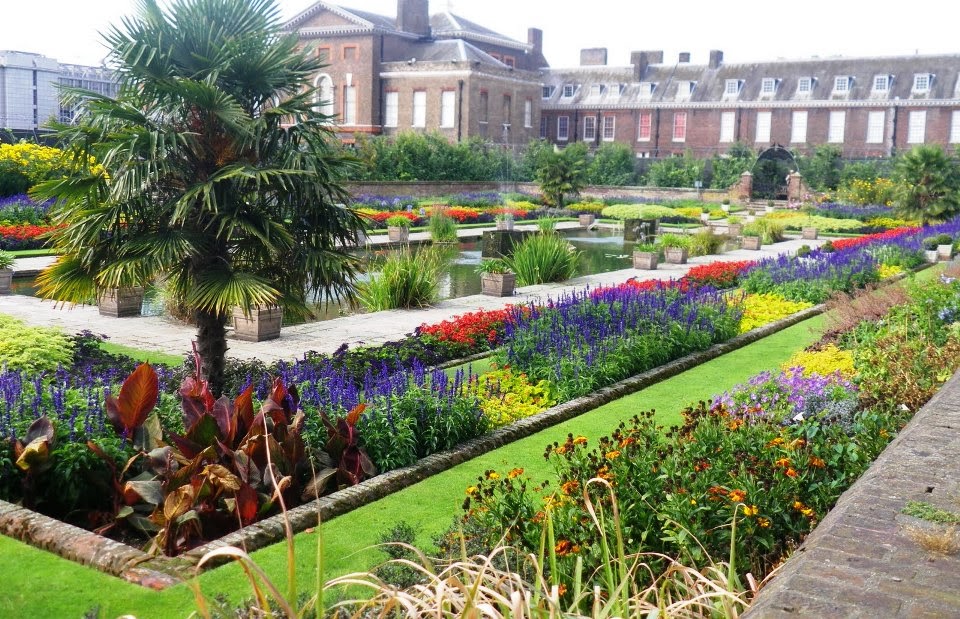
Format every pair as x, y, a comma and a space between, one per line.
159, 572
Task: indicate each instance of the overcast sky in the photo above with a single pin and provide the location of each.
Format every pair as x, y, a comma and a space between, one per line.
746, 30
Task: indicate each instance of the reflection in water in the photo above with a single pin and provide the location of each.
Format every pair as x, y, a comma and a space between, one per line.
601, 251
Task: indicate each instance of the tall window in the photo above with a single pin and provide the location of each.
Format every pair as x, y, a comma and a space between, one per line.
448, 100
589, 128
484, 106
528, 114
350, 105
679, 126
875, 121
507, 110
917, 127
726, 126
609, 128
763, 127
643, 133
563, 128
955, 127
391, 117
324, 94
543, 127
420, 108
798, 128
838, 120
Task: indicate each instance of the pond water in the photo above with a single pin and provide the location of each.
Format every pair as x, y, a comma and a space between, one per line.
601, 251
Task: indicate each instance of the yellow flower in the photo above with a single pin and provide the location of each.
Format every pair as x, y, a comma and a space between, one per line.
693, 501
613, 455
472, 491
738, 496
493, 475
580, 440
763, 522
750, 510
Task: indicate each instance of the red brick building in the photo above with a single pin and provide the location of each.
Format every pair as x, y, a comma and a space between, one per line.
424, 73
869, 107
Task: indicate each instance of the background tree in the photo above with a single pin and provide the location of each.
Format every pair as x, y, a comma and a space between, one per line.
562, 174
676, 171
220, 173
727, 168
613, 164
927, 185
821, 170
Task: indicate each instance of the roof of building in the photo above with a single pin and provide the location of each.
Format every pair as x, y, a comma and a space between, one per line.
826, 81
446, 25
452, 50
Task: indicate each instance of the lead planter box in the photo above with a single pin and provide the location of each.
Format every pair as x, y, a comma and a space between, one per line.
6, 280
646, 260
120, 302
498, 284
675, 255
944, 252
586, 219
263, 323
810, 233
751, 242
398, 234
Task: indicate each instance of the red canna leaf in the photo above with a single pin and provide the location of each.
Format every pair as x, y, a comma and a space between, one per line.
224, 414
279, 392
138, 396
244, 407
354, 415
247, 504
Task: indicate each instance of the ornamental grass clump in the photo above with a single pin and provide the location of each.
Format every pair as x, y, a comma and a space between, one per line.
443, 229
543, 258
405, 280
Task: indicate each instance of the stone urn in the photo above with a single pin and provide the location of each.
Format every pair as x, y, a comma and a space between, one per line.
810, 233
944, 252
586, 219
120, 302
675, 255
6, 280
645, 260
751, 242
261, 324
498, 284
398, 234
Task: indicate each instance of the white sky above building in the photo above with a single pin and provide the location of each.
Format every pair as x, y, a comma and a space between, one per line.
746, 30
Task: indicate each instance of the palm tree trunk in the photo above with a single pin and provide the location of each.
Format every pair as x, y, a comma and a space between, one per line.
212, 346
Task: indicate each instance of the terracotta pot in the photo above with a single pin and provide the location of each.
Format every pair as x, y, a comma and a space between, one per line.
498, 284
263, 323
645, 260
120, 302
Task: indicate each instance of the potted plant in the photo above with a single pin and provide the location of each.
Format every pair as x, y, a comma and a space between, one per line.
504, 221
734, 226
752, 234
646, 256
810, 233
120, 302
944, 246
676, 248
725, 205
259, 324
6, 271
398, 229
769, 208
586, 219
496, 278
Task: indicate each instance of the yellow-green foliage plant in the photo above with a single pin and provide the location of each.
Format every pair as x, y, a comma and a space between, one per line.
823, 361
796, 221
890, 222
34, 349
507, 396
886, 271
764, 308
861, 191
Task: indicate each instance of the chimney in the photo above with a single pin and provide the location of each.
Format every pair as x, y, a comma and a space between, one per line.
594, 56
642, 60
716, 58
535, 38
413, 16
684, 57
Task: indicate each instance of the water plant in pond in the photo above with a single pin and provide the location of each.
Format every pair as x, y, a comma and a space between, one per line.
443, 229
543, 258
404, 280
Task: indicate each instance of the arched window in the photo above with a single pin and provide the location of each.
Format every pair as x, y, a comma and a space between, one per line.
324, 94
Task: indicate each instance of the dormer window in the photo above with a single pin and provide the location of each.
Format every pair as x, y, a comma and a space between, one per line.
732, 87
647, 88
615, 90
548, 91
881, 83
804, 86
568, 90
841, 84
596, 90
921, 82
768, 86
685, 89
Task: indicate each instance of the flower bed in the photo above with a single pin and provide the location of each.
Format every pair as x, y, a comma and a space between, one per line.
23, 236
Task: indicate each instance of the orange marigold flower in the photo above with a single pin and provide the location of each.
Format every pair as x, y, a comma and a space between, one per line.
783, 462
791, 473
515, 473
817, 463
538, 517
703, 465
797, 444
797, 505
570, 487
604, 473
580, 440
775, 442
563, 547
717, 490
562, 449
627, 442
763, 523
561, 590
738, 496
612, 455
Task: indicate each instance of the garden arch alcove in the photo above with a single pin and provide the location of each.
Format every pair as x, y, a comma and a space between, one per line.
770, 173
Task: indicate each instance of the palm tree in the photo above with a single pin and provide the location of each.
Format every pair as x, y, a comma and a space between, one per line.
561, 173
928, 186
216, 171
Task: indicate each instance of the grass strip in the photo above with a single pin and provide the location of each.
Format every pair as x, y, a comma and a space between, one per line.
148, 356
31, 253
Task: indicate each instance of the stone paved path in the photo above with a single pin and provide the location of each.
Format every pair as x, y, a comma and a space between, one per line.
166, 335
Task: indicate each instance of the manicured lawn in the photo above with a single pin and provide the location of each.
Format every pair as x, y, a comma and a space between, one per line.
142, 355
70, 590
30, 253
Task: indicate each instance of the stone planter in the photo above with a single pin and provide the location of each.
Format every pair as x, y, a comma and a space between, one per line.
931, 255
734, 229
262, 324
751, 242
505, 225
675, 255
768, 209
498, 284
586, 219
645, 260
120, 302
398, 234
944, 252
6, 280
810, 233
725, 208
